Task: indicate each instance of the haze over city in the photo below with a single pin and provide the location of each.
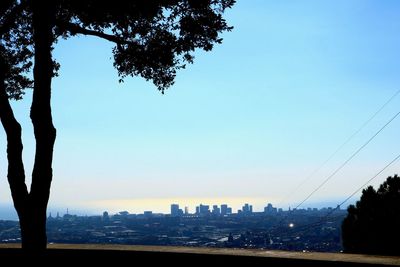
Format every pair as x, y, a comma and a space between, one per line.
246, 123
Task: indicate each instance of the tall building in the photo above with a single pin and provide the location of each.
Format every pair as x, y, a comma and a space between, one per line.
203, 210
216, 210
174, 210
247, 209
186, 210
269, 209
224, 209
106, 217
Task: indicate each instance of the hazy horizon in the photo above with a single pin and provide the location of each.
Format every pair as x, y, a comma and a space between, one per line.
7, 212
247, 122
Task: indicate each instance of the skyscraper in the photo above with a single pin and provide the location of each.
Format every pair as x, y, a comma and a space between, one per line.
224, 209
216, 210
269, 209
204, 209
175, 210
247, 209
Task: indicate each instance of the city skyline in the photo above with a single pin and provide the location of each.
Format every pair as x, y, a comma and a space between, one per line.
201, 209
8, 213
246, 123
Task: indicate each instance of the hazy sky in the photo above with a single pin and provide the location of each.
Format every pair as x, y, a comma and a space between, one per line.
246, 123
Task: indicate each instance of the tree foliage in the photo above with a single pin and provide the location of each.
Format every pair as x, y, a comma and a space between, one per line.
153, 38
15, 49
372, 226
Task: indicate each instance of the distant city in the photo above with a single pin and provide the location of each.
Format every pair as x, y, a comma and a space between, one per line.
224, 209
308, 229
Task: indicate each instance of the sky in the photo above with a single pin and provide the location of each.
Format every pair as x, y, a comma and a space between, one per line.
246, 123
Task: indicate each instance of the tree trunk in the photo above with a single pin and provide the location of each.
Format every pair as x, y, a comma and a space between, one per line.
16, 173
33, 220
31, 223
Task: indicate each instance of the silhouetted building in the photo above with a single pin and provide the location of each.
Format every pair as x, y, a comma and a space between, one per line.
216, 210
123, 213
269, 209
186, 210
148, 214
224, 209
176, 211
247, 209
106, 217
203, 210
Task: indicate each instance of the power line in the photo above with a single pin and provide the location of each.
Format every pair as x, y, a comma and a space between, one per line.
340, 147
347, 161
367, 182
306, 227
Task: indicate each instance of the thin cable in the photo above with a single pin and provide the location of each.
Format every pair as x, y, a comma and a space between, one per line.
367, 182
347, 161
322, 220
339, 148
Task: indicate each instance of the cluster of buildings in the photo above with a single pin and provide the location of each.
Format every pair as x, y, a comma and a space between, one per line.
201, 210
224, 209
247, 209
207, 210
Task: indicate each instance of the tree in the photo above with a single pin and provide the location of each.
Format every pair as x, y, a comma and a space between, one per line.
153, 39
372, 225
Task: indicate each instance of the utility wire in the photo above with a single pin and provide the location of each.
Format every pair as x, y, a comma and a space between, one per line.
339, 148
347, 161
306, 227
367, 182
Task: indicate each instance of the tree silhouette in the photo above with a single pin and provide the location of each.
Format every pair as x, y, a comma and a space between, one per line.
372, 225
153, 39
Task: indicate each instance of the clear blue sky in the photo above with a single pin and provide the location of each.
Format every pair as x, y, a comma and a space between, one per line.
246, 123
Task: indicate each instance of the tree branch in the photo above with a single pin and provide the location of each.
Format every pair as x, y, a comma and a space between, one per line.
76, 29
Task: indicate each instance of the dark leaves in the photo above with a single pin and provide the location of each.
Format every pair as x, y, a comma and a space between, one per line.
154, 38
15, 49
